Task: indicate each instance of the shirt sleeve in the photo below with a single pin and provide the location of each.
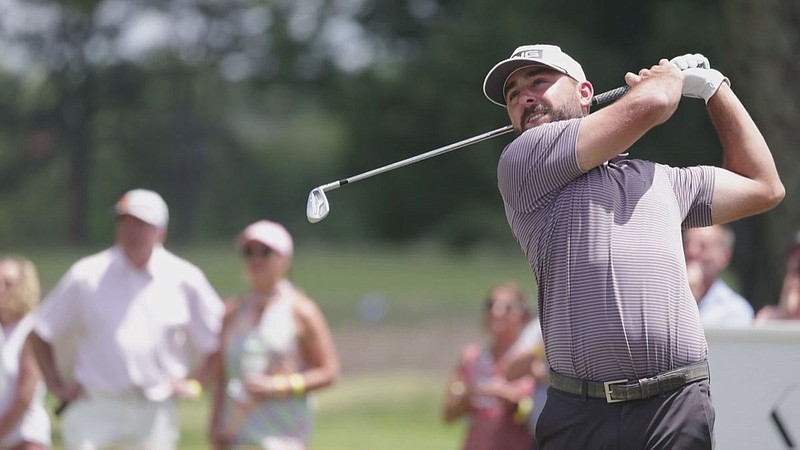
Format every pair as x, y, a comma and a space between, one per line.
206, 310
538, 162
694, 191
58, 314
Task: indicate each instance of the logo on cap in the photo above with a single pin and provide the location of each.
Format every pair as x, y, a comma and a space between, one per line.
531, 54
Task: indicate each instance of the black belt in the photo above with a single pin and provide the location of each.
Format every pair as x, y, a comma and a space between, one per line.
625, 390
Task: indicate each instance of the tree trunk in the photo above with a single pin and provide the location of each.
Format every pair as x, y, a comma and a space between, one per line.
764, 39
77, 115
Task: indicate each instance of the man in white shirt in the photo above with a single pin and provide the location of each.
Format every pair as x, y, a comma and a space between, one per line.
708, 252
142, 320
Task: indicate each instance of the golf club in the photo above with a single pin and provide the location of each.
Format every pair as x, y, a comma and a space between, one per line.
317, 207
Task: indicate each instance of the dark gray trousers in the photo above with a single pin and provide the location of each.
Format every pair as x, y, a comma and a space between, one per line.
681, 419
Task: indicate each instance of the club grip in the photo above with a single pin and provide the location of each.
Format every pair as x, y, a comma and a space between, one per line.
609, 96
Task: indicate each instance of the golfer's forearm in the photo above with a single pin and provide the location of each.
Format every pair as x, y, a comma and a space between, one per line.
745, 151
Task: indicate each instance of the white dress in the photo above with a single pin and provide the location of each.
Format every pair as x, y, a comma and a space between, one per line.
269, 347
34, 425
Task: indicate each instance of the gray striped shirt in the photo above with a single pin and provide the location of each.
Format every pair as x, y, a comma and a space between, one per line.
605, 248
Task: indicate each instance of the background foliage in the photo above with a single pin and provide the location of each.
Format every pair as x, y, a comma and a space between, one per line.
235, 110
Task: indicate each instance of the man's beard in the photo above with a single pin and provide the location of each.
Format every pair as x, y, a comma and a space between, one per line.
571, 110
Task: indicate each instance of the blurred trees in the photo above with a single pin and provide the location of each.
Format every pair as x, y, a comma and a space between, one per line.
764, 41
234, 110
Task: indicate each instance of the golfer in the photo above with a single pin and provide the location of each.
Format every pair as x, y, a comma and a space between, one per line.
141, 316
602, 235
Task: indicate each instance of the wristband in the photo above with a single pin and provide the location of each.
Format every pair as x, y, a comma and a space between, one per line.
298, 384
524, 408
194, 387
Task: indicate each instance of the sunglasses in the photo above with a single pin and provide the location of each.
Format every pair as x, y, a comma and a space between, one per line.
509, 307
261, 252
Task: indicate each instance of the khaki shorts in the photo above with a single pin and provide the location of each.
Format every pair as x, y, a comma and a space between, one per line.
100, 421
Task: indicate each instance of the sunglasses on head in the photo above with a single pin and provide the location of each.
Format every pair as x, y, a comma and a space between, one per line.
249, 252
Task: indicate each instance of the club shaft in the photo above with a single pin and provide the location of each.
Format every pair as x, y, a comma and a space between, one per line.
436, 152
600, 99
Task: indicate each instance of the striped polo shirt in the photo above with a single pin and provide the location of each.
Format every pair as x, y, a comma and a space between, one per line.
605, 248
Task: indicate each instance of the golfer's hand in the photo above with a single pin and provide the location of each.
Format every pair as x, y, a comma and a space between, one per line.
691, 61
702, 83
664, 76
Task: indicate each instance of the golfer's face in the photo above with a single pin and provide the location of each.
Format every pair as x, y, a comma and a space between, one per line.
538, 95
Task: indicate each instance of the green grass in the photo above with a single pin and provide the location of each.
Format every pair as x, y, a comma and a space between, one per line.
397, 408
386, 411
418, 283
397, 411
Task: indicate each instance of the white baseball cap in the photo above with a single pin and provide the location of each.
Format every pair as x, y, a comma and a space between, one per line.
271, 234
145, 205
526, 56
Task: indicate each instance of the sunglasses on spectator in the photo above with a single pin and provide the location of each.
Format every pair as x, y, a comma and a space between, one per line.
261, 252
509, 307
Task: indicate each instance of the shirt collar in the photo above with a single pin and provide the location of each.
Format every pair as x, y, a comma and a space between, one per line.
619, 158
153, 265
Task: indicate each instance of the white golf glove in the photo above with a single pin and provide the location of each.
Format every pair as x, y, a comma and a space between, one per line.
689, 61
702, 83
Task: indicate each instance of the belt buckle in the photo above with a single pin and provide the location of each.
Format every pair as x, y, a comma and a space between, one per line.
607, 390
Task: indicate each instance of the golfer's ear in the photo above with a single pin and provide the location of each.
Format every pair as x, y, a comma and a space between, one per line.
586, 92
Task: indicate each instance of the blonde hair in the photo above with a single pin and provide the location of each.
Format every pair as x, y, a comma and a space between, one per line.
24, 295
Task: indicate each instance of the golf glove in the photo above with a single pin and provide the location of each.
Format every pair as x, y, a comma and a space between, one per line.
702, 83
689, 61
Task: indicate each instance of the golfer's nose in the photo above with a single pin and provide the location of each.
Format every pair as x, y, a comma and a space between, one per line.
527, 96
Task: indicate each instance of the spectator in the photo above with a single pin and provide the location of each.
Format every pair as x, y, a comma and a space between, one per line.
708, 253
527, 357
144, 319
275, 348
497, 409
24, 424
788, 307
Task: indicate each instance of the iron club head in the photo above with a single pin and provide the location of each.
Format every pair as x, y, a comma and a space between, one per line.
317, 207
